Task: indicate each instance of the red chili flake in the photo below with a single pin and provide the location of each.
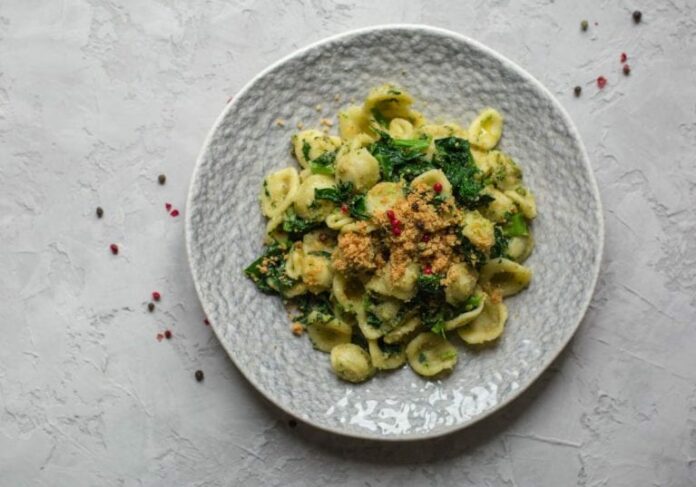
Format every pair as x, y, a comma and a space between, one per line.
427, 270
344, 208
168, 206
156, 295
626, 69
601, 82
114, 249
624, 57
206, 322
167, 334
437, 187
175, 213
396, 230
425, 238
391, 215
160, 337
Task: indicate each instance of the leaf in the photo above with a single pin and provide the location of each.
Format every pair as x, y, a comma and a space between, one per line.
515, 226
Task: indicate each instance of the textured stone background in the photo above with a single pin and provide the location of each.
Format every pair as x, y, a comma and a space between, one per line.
97, 97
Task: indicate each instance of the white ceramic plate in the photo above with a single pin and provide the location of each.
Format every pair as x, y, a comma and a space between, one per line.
454, 77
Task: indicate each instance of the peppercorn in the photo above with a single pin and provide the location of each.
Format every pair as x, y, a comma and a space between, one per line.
167, 334
637, 16
578, 91
156, 295
601, 82
199, 375
150, 307
161, 179
100, 212
114, 249
626, 69
584, 25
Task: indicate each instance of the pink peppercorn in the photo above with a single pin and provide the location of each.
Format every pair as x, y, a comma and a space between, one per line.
601, 82
114, 249
175, 213
156, 295
437, 187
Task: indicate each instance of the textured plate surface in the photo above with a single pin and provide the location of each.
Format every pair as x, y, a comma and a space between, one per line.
453, 77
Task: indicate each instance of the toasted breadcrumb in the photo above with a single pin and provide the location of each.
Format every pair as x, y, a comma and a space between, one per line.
297, 329
356, 252
280, 122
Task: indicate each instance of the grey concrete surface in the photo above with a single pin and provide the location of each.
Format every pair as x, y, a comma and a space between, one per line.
98, 97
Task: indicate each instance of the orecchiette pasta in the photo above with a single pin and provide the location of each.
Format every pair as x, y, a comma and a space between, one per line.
351, 363
395, 234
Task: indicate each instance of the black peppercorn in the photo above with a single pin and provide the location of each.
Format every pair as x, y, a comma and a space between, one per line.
626, 69
150, 307
584, 25
637, 16
199, 375
577, 90
162, 179
100, 212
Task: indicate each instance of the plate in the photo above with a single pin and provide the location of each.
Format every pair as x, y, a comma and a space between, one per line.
453, 77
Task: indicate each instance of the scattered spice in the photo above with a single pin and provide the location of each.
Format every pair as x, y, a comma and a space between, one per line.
425, 238
161, 179
167, 334
159, 337
292, 423
168, 206
427, 270
100, 212
626, 69
637, 16
206, 322
156, 295
199, 375
114, 249
578, 91
344, 208
297, 329
584, 25
437, 187
150, 307
174, 213
601, 82
624, 57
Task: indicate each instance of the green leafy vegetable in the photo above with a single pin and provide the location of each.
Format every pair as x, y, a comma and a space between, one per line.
429, 283
268, 271
324, 164
501, 243
454, 157
389, 348
305, 149
400, 158
472, 302
343, 194
515, 226
379, 117
371, 318
472, 255
313, 308
296, 226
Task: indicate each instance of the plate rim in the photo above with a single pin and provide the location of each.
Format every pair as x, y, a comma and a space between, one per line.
573, 131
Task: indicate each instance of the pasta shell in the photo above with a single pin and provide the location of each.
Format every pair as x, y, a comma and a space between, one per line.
486, 129
487, 326
429, 354
351, 363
